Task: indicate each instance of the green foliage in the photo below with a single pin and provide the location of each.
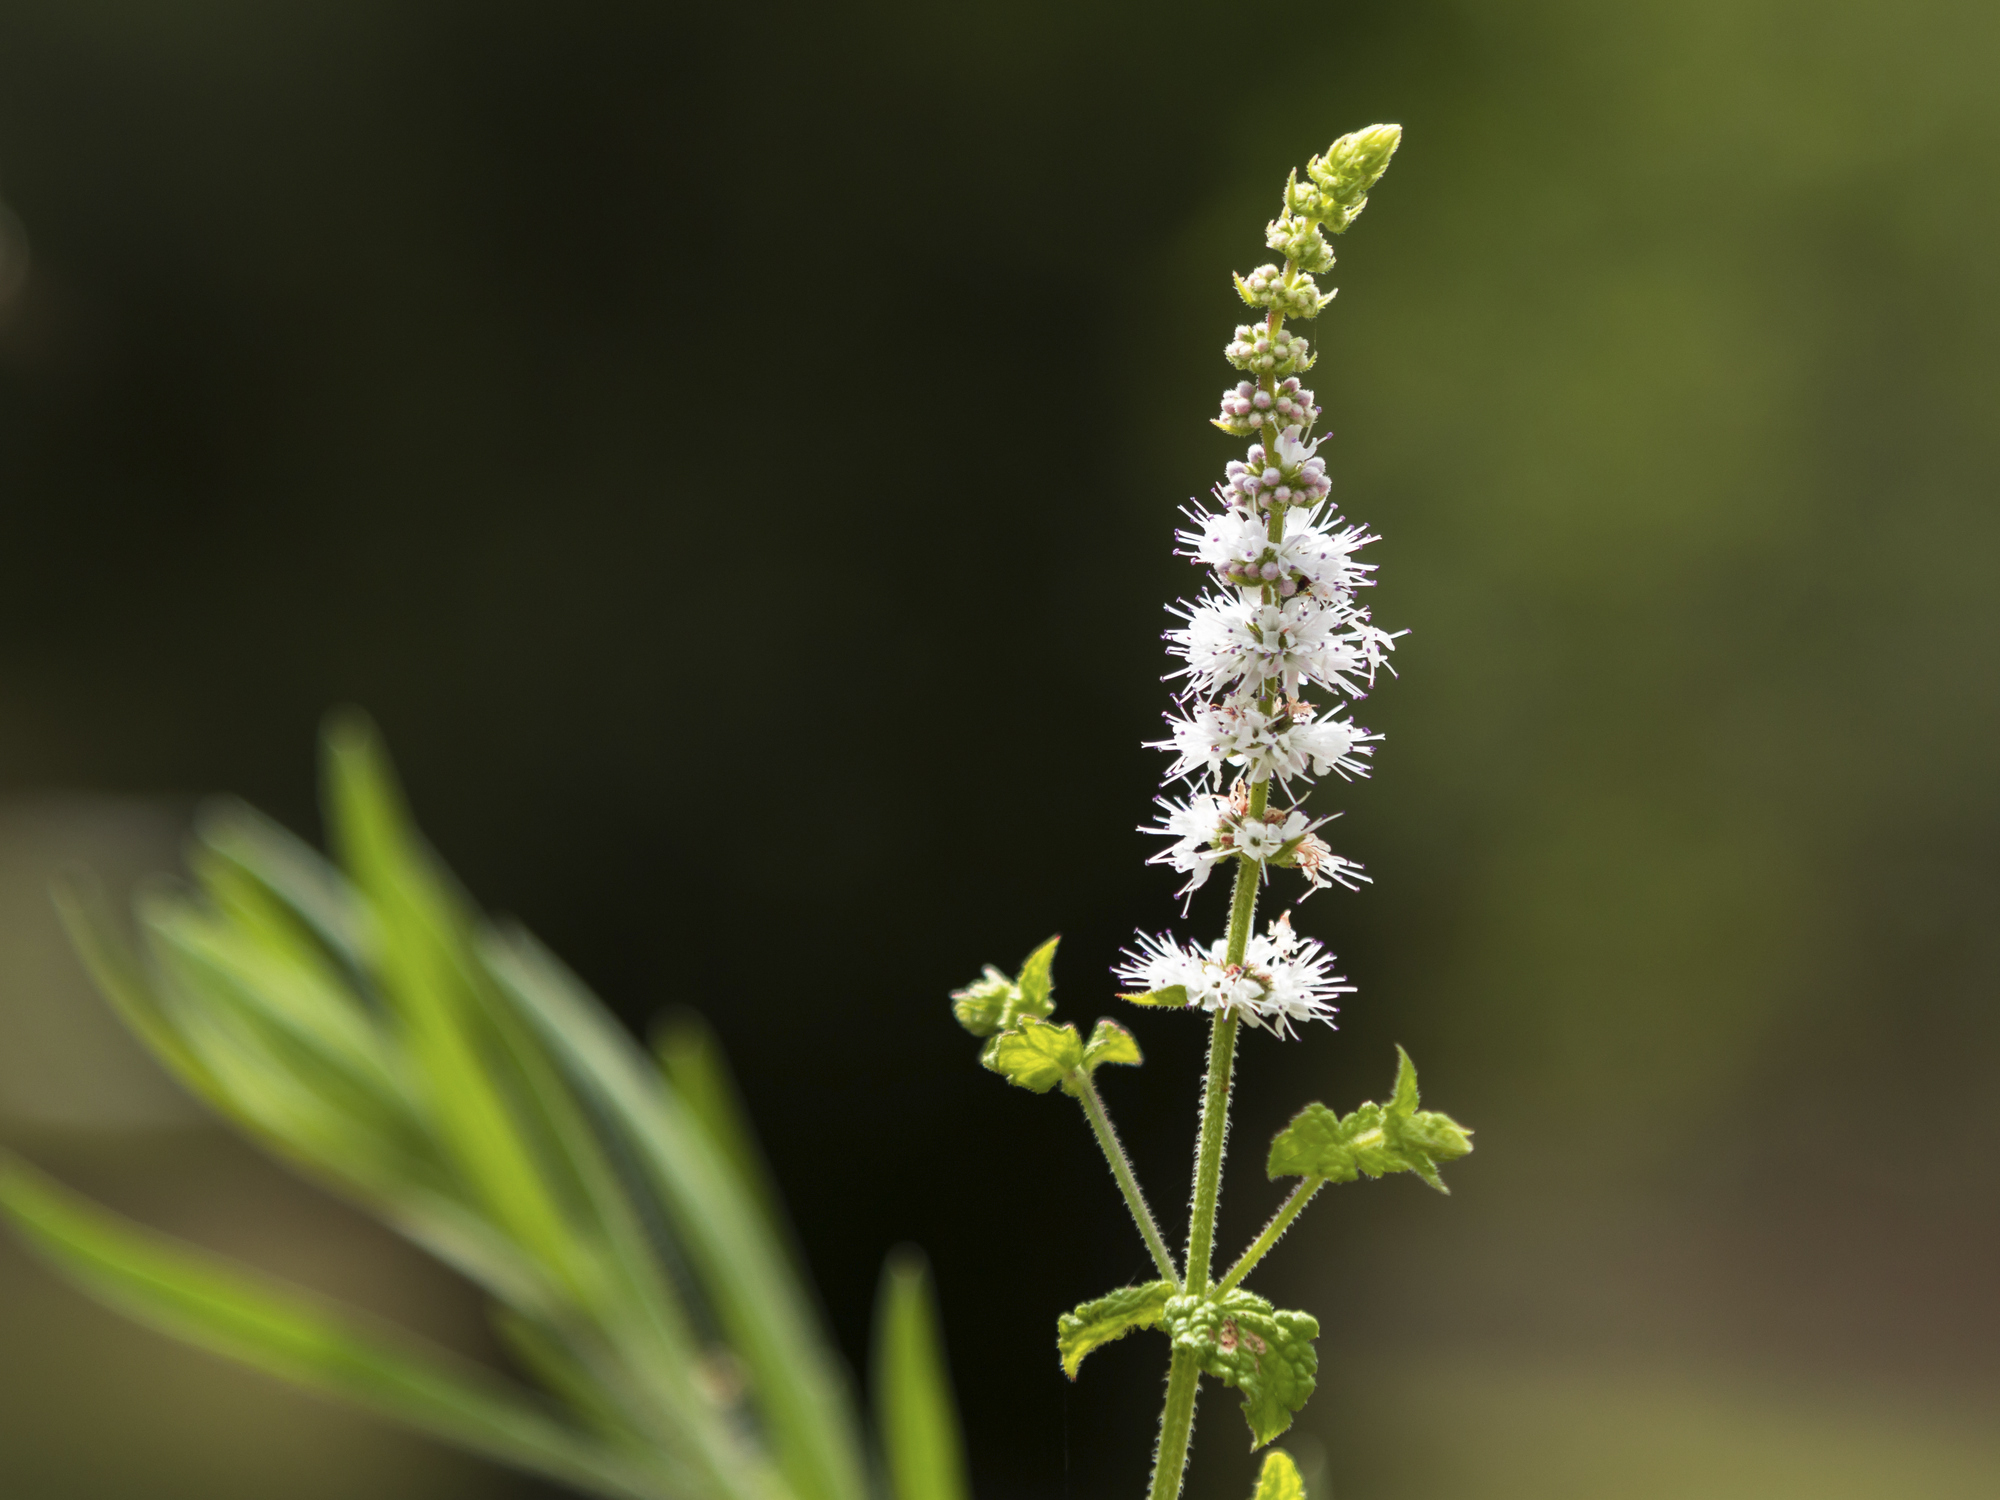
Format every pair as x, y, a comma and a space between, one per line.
1110, 1317
1242, 1341
1035, 1055
1173, 996
1351, 166
1111, 1043
922, 1452
994, 1003
1375, 1139
1022, 1045
367, 1024
1279, 1478
296, 1336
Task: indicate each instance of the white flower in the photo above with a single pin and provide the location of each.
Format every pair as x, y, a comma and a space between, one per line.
1246, 641
1283, 978
1194, 826
1292, 451
1318, 553
1291, 742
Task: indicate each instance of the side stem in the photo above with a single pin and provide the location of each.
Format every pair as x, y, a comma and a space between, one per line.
1081, 1084
1273, 1232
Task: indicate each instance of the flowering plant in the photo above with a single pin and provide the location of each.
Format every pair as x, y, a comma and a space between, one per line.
361, 1019
1283, 620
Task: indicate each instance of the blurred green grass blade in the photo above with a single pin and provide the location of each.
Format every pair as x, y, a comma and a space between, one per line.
122, 979
914, 1406
430, 1215
297, 1336
766, 1315
698, 1072
424, 968
293, 872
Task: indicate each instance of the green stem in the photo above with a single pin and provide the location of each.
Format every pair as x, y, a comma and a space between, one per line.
1273, 1232
1081, 1084
1183, 1374
1176, 1425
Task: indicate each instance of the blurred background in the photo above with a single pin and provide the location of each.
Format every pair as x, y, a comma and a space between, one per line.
733, 452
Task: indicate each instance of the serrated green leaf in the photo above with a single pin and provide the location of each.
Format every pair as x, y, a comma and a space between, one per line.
1279, 1478
1111, 1043
993, 1003
1037, 982
1110, 1317
1035, 1055
205, 1300
1241, 1340
914, 1405
981, 1007
1374, 1140
1172, 995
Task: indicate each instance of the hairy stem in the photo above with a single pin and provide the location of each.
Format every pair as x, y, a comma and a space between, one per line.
1176, 1425
1085, 1089
1273, 1232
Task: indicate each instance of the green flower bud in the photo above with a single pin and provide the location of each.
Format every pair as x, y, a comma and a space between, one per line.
1259, 352
1296, 297
1351, 166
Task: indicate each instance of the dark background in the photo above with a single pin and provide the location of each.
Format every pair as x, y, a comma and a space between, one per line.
733, 451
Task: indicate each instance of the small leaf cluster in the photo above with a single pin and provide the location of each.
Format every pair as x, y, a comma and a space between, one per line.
1022, 1045
1375, 1139
1333, 195
1236, 1336
1241, 1340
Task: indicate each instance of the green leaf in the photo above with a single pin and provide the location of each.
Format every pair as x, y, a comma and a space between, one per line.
1172, 995
1374, 1140
1037, 981
230, 1310
1110, 1317
1035, 1055
914, 1405
1111, 1043
981, 1007
994, 1003
1279, 1478
1242, 1341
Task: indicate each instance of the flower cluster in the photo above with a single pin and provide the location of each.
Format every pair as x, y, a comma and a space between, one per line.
1250, 408
1281, 978
1264, 349
1207, 829
1282, 620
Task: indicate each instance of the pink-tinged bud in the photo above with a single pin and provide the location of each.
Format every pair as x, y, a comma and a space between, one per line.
1261, 400
1270, 570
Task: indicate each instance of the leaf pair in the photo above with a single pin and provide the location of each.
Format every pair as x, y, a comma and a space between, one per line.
1373, 1140
1241, 1340
1023, 1046
1236, 1337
